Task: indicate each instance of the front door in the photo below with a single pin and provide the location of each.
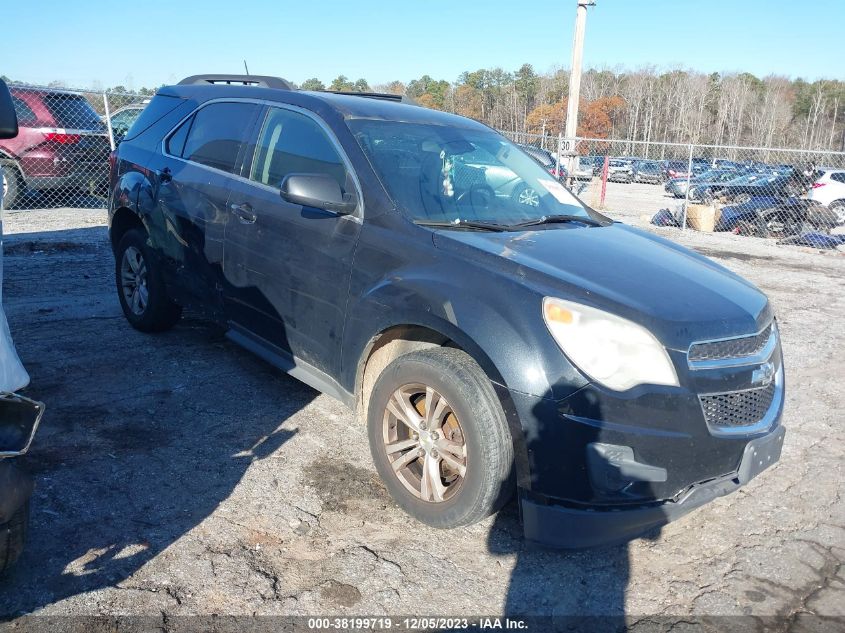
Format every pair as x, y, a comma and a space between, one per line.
287, 267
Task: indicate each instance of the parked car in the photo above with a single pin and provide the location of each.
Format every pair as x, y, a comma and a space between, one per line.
647, 171
19, 416
770, 216
547, 161
620, 170
584, 168
677, 187
610, 378
61, 144
746, 187
122, 119
675, 169
829, 190
702, 186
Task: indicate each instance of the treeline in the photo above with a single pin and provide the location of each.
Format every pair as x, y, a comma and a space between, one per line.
679, 106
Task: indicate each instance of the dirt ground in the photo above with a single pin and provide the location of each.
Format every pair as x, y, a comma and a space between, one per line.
178, 474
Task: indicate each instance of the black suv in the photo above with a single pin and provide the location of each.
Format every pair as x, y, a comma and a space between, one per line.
375, 250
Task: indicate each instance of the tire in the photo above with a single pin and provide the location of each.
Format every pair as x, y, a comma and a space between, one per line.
11, 184
13, 537
469, 414
134, 258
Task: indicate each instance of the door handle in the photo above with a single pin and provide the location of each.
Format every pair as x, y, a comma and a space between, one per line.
244, 213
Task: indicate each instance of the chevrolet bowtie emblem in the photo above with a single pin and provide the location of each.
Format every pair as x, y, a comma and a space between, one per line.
763, 375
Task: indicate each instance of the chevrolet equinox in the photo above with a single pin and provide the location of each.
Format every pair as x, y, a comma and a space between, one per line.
496, 334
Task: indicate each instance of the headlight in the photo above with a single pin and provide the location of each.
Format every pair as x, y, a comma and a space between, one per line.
611, 350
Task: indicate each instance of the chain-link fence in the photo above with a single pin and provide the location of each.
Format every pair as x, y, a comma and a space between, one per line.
795, 196
60, 159
60, 156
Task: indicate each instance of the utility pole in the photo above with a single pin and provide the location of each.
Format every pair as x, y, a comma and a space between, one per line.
575, 77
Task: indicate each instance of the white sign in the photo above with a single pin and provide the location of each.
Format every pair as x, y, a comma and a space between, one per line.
567, 146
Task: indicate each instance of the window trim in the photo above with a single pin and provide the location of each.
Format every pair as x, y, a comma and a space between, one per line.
357, 215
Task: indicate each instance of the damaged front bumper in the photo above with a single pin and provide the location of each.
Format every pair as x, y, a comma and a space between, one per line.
19, 420
568, 527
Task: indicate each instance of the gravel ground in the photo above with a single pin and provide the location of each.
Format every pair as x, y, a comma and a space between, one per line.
178, 474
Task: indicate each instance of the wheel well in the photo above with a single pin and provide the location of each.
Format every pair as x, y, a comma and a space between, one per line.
124, 220
387, 347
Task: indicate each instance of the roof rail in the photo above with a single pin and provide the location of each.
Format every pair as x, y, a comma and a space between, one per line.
262, 81
375, 95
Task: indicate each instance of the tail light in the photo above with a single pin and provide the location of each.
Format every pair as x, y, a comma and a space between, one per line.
816, 185
62, 138
112, 160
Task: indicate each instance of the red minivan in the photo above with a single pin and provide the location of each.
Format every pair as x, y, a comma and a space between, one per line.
62, 144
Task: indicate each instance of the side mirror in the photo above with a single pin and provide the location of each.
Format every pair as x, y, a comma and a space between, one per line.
8, 118
320, 191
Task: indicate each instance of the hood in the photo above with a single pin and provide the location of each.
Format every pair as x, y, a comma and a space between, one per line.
676, 293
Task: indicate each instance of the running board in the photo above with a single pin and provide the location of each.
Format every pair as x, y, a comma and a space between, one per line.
291, 365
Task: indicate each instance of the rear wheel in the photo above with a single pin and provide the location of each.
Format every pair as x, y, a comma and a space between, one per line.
13, 536
140, 285
439, 439
11, 184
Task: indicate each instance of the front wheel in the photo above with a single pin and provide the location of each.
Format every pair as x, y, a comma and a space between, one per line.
439, 438
140, 285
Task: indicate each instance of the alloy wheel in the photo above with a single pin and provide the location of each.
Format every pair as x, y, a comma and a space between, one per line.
529, 196
425, 443
133, 280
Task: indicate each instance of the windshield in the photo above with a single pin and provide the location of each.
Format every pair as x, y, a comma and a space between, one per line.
438, 173
651, 168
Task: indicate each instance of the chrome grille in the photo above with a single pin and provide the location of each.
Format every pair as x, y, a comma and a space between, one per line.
738, 408
730, 348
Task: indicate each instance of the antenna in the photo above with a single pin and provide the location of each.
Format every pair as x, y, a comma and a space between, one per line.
246, 68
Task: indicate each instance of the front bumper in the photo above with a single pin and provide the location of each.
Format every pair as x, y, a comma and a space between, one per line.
571, 527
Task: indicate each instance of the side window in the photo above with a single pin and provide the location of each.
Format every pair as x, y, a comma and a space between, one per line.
24, 112
292, 143
176, 142
218, 133
838, 176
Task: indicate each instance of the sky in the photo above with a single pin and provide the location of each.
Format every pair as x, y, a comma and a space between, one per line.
154, 42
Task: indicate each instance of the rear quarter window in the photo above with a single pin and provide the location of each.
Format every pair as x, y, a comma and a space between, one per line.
839, 176
159, 107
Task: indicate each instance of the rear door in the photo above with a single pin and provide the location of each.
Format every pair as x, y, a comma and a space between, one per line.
190, 181
288, 266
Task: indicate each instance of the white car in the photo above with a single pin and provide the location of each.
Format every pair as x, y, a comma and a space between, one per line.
829, 190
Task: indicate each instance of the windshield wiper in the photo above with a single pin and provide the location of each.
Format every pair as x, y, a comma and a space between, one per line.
558, 219
462, 224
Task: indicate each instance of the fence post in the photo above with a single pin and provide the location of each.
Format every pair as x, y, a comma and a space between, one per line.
108, 120
559, 150
686, 197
